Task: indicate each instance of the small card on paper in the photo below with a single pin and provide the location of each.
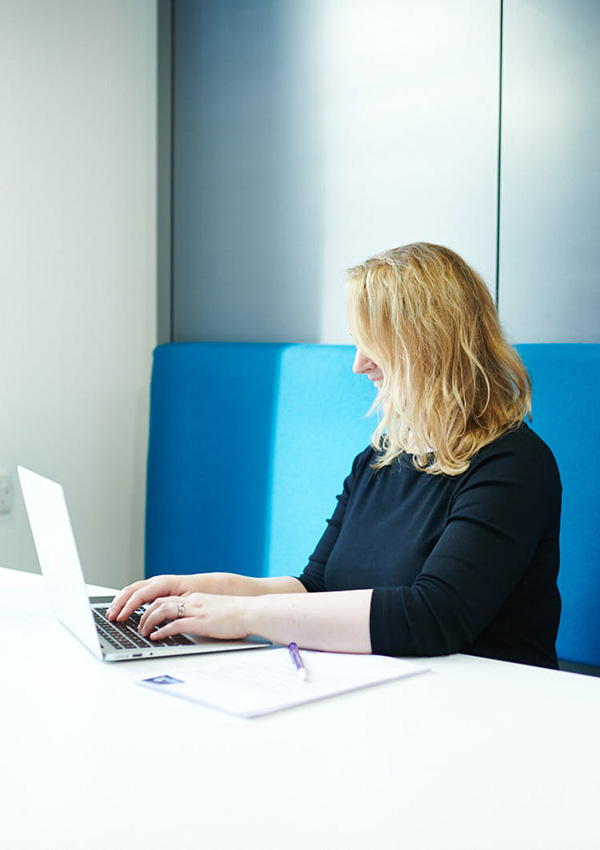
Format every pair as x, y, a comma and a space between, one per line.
253, 683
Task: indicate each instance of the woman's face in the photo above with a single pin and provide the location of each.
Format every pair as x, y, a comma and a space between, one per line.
365, 366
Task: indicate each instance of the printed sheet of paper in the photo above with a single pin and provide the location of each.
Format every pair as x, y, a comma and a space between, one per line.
254, 683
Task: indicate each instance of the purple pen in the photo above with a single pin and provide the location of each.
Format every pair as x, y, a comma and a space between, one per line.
297, 659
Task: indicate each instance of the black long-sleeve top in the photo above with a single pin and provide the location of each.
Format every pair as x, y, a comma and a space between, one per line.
464, 563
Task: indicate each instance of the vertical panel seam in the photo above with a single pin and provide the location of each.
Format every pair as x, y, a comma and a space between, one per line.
499, 164
172, 183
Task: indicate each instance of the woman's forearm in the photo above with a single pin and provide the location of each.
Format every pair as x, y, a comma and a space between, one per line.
332, 621
232, 584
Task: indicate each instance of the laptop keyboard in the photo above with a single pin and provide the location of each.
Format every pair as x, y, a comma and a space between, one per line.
126, 636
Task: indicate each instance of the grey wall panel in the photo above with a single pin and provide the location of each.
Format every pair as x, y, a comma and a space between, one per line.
550, 187
164, 160
310, 134
409, 129
246, 242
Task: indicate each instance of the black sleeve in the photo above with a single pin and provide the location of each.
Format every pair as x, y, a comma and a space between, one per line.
505, 504
313, 577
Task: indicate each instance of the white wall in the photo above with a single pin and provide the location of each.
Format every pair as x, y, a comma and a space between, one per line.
77, 267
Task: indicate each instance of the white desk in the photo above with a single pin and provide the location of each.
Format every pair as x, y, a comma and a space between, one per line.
476, 755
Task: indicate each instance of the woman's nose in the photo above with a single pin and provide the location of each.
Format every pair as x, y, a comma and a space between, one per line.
361, 363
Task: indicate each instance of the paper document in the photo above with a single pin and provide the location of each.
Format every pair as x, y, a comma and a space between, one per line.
254, 683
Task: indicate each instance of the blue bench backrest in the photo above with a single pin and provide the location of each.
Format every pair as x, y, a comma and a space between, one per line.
209, 457
321, 425
566, 414
250, 443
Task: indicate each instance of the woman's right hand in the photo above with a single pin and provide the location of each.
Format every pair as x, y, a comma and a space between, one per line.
218, 584
146, 591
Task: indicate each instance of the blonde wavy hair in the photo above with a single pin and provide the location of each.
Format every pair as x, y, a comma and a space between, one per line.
451, 382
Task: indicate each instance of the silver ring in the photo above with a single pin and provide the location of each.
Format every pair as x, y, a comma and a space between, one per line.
180, 610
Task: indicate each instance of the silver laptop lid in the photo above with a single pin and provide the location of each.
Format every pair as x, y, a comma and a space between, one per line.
57, 553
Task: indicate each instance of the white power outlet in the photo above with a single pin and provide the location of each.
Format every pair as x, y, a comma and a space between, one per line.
6, 494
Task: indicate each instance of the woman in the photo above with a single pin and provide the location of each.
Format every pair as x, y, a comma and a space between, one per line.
445, 537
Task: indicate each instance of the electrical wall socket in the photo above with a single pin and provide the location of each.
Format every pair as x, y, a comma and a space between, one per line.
6, 493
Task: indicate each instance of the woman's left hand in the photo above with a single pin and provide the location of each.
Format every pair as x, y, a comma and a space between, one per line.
203, 614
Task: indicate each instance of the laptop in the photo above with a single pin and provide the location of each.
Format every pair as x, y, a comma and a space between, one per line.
85, 616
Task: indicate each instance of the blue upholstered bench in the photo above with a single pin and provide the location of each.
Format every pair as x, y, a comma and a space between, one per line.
250, 443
